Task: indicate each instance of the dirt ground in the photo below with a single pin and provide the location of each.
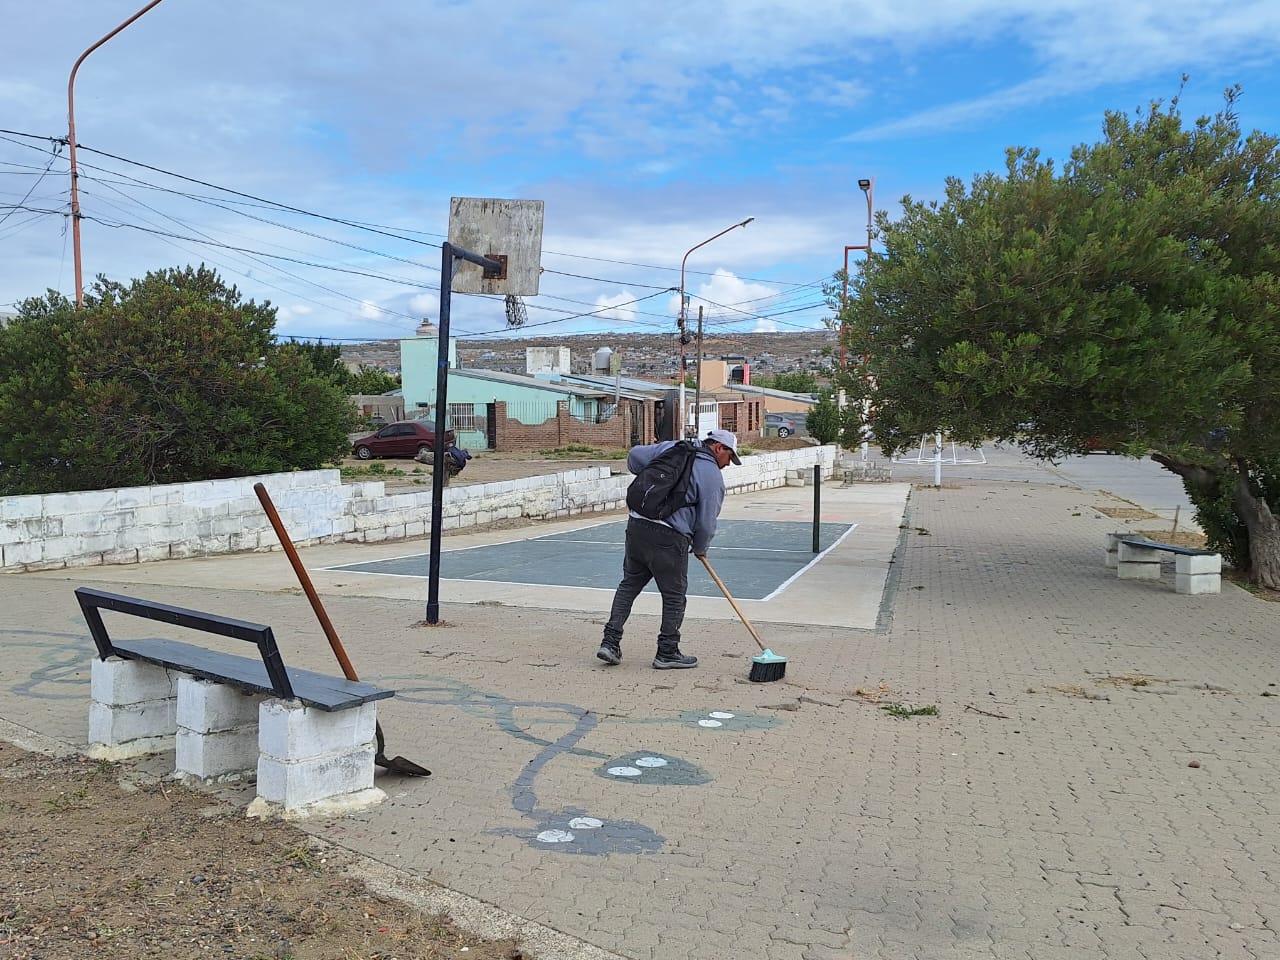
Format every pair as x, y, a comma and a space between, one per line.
488, 466
101, 861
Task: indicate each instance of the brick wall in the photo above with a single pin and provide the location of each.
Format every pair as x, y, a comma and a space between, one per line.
564, 429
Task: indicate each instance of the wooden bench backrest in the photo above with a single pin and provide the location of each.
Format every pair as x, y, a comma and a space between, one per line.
92, 602
268, 676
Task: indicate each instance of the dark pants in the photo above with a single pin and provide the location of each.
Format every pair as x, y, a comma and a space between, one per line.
659, 553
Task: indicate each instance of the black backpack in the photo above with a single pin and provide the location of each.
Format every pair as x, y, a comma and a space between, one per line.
662, 486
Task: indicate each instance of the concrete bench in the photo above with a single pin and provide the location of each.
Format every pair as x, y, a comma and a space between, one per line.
1135, 558
308, 738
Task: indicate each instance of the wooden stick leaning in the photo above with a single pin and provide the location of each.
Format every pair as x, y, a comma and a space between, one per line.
399, 765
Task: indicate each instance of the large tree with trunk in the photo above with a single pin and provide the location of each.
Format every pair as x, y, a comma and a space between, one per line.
169, 378
1130, 299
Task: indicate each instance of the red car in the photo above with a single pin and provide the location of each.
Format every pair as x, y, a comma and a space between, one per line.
404, 438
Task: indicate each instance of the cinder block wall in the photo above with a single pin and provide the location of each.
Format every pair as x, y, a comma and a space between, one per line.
136, 524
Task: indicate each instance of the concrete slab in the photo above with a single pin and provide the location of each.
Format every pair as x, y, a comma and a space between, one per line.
854, 568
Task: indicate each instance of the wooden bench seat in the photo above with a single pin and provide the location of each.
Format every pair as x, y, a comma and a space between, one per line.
1167, 547
314, 689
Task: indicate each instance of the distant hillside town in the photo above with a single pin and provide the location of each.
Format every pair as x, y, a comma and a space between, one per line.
649, 356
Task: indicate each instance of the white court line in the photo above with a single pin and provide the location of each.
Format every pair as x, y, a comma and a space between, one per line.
351, 568
377, 573
791, 579
725, 549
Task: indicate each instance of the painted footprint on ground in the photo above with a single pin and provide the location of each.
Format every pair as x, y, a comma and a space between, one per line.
650, 767
573, 829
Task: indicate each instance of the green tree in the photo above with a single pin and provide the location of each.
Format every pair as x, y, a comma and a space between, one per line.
326, 359
371, 381
1132, 298
170, 378
795, 382
823, 421
36, 393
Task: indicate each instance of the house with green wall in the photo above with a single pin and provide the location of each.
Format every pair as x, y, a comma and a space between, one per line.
473, 395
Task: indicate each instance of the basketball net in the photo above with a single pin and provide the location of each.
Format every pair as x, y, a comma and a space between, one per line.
516, 315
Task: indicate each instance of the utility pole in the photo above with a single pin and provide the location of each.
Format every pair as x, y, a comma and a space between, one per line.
697, 385
71, 143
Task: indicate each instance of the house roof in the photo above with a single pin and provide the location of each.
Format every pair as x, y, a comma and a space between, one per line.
531, 383
767, 392
631, 385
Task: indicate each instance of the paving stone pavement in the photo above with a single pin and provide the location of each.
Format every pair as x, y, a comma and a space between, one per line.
1048, 811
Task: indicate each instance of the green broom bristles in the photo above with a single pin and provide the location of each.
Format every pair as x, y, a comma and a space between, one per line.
767, 667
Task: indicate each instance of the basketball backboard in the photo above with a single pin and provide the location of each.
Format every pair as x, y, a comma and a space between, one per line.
498, 229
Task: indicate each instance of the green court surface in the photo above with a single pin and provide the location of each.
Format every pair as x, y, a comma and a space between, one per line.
755, 559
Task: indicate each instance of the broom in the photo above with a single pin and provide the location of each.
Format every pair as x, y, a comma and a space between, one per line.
768, 666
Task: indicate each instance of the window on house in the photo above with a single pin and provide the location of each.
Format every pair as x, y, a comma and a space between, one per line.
464, 417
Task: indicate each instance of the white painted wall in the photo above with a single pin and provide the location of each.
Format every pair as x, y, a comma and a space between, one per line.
136, 524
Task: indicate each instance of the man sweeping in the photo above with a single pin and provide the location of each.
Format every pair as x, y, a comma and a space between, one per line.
674, 503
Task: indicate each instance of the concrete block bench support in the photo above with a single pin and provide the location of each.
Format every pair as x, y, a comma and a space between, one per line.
1195, 571
1113, 548
307, 737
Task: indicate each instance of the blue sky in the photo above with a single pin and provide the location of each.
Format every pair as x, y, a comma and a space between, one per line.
644, 127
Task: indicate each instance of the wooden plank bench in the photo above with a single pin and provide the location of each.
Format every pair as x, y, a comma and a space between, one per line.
1136, 558
307, 736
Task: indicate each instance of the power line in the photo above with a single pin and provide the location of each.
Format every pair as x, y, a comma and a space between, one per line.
386, 231
576, 316
378, 229
265, 264
250, 196
273, 223
260, 253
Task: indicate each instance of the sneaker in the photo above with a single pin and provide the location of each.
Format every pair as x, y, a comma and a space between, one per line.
673, 660
610, 653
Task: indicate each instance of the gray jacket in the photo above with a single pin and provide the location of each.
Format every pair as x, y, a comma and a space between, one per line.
706, 493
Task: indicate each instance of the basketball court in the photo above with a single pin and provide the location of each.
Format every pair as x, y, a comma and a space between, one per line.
758, 560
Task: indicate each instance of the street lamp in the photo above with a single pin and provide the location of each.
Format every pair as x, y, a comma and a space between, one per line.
684, 306
71, 152
867, 186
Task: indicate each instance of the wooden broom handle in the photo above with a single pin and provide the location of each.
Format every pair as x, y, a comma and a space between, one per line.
734, 603
325, 624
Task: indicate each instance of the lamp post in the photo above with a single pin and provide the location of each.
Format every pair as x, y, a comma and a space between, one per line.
867, 186
684, 306
71, 152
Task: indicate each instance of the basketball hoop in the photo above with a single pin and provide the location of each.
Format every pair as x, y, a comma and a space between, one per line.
516, 315
494, 247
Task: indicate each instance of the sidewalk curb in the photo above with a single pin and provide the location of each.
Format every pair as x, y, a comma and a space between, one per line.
475, 916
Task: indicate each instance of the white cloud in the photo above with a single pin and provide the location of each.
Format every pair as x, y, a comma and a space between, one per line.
427, 304
1076, 47
730, 296
612, 308
289, 313
642, 136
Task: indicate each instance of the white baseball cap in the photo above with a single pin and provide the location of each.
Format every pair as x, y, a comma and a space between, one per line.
727, 439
